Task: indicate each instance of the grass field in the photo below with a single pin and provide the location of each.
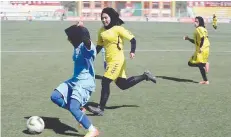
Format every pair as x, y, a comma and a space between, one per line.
36, 58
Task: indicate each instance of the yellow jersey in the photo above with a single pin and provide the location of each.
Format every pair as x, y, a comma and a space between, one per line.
113, 41
198, 34
214, 19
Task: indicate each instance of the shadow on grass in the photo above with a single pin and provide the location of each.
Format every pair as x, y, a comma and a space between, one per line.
57, 126
93, 104
177, 79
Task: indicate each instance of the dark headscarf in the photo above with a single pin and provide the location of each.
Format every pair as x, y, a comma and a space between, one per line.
201, 21
214, 16
77, 34
115, 20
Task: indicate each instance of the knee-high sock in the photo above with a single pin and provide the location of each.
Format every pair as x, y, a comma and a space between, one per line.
201, 67
123, 83
215, 27
74, 108
105, 92
203, 73
57, 98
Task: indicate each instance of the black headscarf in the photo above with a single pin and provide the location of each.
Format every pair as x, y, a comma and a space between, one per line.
77, 34
115, 20
214, 16
201, 21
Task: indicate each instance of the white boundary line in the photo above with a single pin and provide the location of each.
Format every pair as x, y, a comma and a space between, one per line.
145, 50
30, 51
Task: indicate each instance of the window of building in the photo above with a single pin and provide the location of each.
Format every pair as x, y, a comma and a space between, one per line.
155, 5
86, 4
86, 14
154, 14
146, 4
166, 5
97, 4
166, 15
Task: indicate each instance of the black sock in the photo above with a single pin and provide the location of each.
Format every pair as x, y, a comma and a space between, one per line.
123, 83
105, 92
203, 73
201, 67
132, 81
215, 27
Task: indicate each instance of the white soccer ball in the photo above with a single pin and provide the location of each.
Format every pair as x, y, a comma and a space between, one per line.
35, 124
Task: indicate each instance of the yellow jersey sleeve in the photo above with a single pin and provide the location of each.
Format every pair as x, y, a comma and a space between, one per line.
100, 40
124, 33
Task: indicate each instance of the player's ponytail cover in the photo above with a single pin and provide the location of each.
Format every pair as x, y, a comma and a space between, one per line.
76, 34
201, 21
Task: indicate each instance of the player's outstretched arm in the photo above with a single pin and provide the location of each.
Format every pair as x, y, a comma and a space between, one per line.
133, 48
87, 42
189, 39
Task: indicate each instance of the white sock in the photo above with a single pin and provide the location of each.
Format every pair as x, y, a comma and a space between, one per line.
91, 128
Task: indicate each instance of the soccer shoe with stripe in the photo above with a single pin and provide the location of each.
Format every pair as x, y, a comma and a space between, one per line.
149, 76
83, 110
96, 110
204, 82
93, 133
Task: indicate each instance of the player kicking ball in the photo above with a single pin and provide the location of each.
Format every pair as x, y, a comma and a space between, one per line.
75, 92
202, 44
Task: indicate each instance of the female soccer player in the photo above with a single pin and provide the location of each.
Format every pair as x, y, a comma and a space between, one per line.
75, 92
201, 54
214, 21
111, 36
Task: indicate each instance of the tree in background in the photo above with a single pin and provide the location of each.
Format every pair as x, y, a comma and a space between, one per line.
69, 5
181, 9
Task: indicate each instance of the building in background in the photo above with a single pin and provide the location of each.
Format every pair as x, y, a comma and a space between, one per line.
207, 8
21, 10
128, 8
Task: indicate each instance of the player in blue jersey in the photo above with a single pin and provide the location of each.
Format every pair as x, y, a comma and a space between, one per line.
75, 92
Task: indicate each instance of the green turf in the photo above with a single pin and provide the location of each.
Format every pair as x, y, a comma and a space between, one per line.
174, 107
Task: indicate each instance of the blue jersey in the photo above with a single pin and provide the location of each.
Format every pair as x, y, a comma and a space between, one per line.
84, 73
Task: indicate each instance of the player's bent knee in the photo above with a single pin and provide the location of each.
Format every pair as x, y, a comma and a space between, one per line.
193, 64
190, 64
122, 83
122, 86
56, 95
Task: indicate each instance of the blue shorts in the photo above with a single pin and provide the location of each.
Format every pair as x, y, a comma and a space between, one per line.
74, 91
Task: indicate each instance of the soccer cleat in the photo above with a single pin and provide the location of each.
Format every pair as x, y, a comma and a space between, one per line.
149, 76
93, 133
207, 67
204, 82
96, 110
83, 110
